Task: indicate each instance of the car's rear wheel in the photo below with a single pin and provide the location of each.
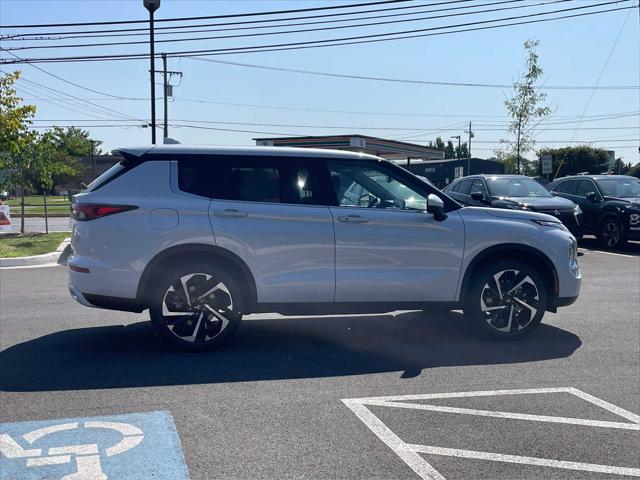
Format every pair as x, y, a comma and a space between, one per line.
506, 300
196, 306
611, 233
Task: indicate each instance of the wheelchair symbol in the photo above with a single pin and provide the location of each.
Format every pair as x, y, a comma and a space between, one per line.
87, 456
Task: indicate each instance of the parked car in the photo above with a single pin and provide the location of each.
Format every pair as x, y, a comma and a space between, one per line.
515, 192
610, 205
204, 235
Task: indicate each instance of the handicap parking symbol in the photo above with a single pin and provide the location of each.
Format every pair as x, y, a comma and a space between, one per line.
132, 446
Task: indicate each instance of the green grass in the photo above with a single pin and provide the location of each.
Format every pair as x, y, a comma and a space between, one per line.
30, 244
35, 204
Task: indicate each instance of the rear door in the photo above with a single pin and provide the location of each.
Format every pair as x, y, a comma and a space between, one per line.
387, 247
270, 211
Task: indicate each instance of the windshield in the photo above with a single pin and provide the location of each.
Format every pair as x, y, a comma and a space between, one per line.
516, 187
620, 187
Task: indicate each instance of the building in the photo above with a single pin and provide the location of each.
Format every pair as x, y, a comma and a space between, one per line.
389, 149
442, 172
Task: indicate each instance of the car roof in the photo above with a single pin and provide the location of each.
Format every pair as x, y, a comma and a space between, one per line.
594, 177
179, 149
490, 175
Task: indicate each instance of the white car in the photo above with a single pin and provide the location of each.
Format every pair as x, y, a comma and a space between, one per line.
201, 236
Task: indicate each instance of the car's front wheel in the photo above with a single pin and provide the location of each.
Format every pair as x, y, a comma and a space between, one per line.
611, 233
507, 299
195, 306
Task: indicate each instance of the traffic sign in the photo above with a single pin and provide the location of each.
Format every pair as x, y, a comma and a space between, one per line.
547, 164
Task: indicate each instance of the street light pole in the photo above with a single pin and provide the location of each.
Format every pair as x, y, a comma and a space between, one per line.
152, 6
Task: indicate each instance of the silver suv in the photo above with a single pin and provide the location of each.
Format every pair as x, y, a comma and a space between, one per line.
204, 235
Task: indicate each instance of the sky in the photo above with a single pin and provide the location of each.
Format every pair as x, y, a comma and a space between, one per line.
601, 50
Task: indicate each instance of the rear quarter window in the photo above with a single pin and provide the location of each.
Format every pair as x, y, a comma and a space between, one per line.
110, 175
195, 176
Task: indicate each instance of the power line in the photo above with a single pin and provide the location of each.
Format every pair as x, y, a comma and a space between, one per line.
208, 17
604, 67
109, 111
588, 118
73, 83
351, 127
326, 42
145, 30
287, 32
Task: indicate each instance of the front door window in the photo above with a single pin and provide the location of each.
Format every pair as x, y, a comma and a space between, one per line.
373, 186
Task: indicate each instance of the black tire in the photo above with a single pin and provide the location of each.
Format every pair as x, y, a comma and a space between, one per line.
216, 316
611, 233
496, 296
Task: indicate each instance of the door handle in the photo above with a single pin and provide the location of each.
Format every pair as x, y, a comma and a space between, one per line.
353, 219
230, 212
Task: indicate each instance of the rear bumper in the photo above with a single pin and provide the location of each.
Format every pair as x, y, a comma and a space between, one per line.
565, 301
102, 301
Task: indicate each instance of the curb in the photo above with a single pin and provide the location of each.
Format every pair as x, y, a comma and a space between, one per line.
58, 257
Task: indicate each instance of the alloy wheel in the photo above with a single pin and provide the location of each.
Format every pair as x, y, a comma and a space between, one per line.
611, 233
197, 307
509, 301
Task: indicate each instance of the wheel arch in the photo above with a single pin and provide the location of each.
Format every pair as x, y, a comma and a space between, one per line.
233, 264
519, 252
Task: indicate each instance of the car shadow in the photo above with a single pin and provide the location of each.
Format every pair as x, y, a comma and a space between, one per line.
276, 348
591, 243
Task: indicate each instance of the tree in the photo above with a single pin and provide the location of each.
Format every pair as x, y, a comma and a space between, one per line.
451, 151
524, 107
62, 149
579, 159
16, 139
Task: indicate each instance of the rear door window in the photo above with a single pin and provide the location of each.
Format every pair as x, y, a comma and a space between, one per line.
271, 180
568, 186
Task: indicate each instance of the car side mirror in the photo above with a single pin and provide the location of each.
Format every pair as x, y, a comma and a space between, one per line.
435, 206
593, 196
479, 197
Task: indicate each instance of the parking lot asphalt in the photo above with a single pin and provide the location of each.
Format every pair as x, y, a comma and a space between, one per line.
270, 405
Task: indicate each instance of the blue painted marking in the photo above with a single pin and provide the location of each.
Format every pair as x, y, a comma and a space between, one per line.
117, 447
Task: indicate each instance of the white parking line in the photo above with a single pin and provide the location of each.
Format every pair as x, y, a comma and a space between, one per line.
409, 453
586, 252
541, 462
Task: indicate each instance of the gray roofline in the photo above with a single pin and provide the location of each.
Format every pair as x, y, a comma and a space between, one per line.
182, 149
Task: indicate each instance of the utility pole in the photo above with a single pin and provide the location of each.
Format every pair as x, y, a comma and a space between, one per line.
165, 85
470, 132
152, 6
167, 91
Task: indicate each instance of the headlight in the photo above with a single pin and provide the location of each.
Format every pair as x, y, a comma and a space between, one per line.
547, 223
577, 210
634, 219
573, 254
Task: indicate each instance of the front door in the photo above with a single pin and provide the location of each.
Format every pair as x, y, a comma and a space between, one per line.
590, 207
271, 212
387, 247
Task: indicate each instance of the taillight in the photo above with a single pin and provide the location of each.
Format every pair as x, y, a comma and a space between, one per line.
83, 212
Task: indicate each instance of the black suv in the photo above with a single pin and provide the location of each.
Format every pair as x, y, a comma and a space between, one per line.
517, 192
610, 205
